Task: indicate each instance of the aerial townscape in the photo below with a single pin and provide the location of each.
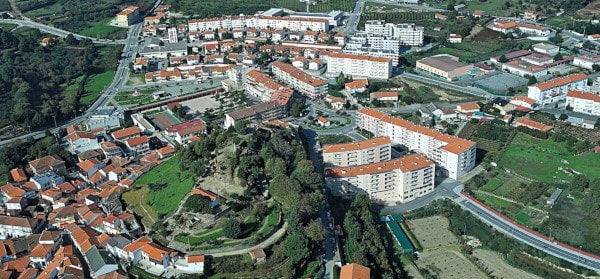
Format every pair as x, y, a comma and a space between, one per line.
329, 139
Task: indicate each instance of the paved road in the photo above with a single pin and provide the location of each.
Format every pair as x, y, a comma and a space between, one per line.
534, 240
354, 18
59, 32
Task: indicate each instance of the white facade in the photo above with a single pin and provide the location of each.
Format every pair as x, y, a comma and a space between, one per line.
584, 102
556, 89
312, 87
586, 61
357, 153
359, 66
397, 180
455, 155
107, 117
14, 227
260, 22
47, 180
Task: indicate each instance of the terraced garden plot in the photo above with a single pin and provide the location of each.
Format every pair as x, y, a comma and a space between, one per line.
493, 262
432, 231
449, 264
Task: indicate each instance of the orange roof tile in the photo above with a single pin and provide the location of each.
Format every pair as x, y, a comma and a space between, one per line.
365, 144
205, 193
127, 132
385, 94
358, 83
404, 164
558, 82
18, 175
155, 251
137, 141
469, 106
584, 95
195, 258
166, 150
355, 271
137, 244
12, 191
525, 99
87, 165
522, 121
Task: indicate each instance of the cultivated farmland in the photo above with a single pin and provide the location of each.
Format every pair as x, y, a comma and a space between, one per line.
432, 231
449, 264
498, 268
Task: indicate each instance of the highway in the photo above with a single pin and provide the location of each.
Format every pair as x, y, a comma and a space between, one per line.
58, 32
537, 241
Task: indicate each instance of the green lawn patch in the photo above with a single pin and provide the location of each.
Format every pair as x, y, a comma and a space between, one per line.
7, 26
541, 159
522, 217
271, 220
167, 199
212, 234
505, 189
95, 86
492, 185
492, 202
334, 93
101, 29
333, 139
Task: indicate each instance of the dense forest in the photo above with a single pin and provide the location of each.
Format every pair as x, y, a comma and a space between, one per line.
78, 15
38, 83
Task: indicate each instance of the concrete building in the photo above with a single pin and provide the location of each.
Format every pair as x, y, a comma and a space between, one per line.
455, 156
260, 22
312, 87
255, 114
446, 66
584, 102
364, 152
128, 16
407, 33
106, 117
182, 132
556, 89
523, 68
397, 180
154, 48
359, 66
261, 85
334, 18
587, 61
546, 48
14, 227
138, 145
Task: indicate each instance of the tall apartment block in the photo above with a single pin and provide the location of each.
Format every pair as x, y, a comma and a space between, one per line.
396, 180
454, 155
357, 153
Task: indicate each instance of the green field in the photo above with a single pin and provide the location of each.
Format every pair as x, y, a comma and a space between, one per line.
102, 29
540, 159
493, 202
95, 85
7, 26
125, 98
491, 7
492, 185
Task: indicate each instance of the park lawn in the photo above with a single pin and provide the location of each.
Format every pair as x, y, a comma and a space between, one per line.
100, 29
125, 98
167, 199
95, 85
560, 21
540, 159
333, 139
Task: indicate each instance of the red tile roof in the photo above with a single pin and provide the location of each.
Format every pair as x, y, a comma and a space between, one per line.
127, 132
137, 141
343, 147
355, 271
18, 175
404, 164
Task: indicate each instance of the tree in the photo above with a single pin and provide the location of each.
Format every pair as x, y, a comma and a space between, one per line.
563, 117
71, 40
596, 67
579, 182
296, 247
532, 80
315, 232
197, 203
297, 108
502, 59
558, 56
232, 228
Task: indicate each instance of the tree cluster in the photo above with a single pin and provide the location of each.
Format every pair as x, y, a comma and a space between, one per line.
38, 83
18, 154
197, 203
363, 243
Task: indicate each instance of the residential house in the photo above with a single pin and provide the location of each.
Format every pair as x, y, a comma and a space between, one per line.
193, 264
534, 125
468, 108
18, 176
355, 271
100, 262
165, 152
157, 256
214, 198
125, 134
14, 227
138, 145
48, 163
323, 122
523, 101
46, 180
182, 132
477, 14
258, 255
337, 103
357, 86
110, 149
384, 96
587, 61
116, 245
82, 141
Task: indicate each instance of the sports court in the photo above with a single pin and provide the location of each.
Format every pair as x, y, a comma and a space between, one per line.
163, 120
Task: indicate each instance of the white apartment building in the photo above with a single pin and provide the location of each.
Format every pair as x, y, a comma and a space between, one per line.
584, 102
397, 180
260, 22
364, 152
393, 55
556, 89
359, 66
456, 156
312, 87
260, 85
407, 33
587, 61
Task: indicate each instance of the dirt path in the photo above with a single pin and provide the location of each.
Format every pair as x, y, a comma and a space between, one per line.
15, 9
268, 242
147, 213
